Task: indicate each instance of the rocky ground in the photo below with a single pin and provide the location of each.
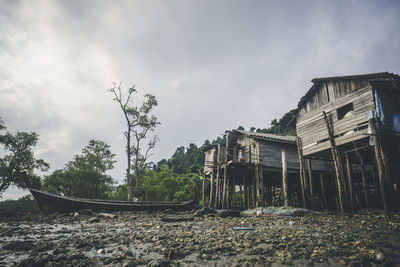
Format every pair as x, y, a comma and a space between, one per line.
181, 239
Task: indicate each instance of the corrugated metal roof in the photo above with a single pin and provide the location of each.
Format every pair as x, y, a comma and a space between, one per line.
267, 136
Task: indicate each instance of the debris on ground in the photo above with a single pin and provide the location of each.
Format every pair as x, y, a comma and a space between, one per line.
282, 211
141, 239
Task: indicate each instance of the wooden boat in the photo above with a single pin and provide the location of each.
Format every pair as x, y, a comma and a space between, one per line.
52, 202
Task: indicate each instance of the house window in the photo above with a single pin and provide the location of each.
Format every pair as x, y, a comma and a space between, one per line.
345, 111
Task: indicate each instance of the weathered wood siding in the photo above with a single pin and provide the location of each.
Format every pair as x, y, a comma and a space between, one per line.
210, 159
311, 126
270, 155
247, 145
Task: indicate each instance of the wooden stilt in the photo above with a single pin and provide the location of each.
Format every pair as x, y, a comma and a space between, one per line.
244, 202
262, 195
247, 190
284, 180
301, 172
217, 191
241, 195
204, 192
321, 180
310, 181
379, 165
362, 170
234, 191
364, 182
338, 164
257, 185
254, 191
212, 189
350, 183
389, 183
376, 185
224, 200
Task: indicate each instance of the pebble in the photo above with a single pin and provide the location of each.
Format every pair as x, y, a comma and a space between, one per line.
119, 239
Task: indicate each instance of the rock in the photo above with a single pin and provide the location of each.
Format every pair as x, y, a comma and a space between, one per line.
94, 220
205, 211
380, 257
129, 253
229, 213
87, 212
129, 263
107, 215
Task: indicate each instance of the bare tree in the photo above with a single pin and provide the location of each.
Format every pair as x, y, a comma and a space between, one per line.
139, 121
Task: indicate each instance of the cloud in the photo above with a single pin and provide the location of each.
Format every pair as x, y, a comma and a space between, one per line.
213, 65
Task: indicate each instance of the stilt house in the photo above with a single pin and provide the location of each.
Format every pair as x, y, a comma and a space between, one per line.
354, 122
253, 169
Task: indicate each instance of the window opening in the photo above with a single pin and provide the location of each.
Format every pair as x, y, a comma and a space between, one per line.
345, 111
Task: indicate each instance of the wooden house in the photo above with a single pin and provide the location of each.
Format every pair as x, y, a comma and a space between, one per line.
353, 121
253, 169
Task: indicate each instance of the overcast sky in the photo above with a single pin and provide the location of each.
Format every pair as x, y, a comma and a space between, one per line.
213, 65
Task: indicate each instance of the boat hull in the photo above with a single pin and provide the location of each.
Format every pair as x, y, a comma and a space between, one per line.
56, 203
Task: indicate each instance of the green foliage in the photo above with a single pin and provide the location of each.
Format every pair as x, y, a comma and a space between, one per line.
119, 193
165, 185
18, 163
175, 179
277, 129
189, 160
23, 204
85, 176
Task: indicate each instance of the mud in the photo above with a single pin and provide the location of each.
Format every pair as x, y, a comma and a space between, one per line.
171, 239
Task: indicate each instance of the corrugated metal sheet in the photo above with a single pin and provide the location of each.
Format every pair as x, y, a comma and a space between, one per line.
266, 136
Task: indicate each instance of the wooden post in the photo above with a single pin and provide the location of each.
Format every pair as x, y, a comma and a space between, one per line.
257, 185
350, 183
338, 164
284, 179
388, 179
225, 173
229, 191
321, 180
301, 172
241, 195
311, 183
362, 168
261, 185
234, 191
217, 191
247, 196
204, 191
379, 165
254, 191
212, 190
244, 188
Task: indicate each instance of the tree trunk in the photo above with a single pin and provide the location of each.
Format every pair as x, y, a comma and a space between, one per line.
128, 169
137, 169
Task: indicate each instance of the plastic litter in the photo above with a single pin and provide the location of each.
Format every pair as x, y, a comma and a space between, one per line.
396, 122
243, 228
289, 212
